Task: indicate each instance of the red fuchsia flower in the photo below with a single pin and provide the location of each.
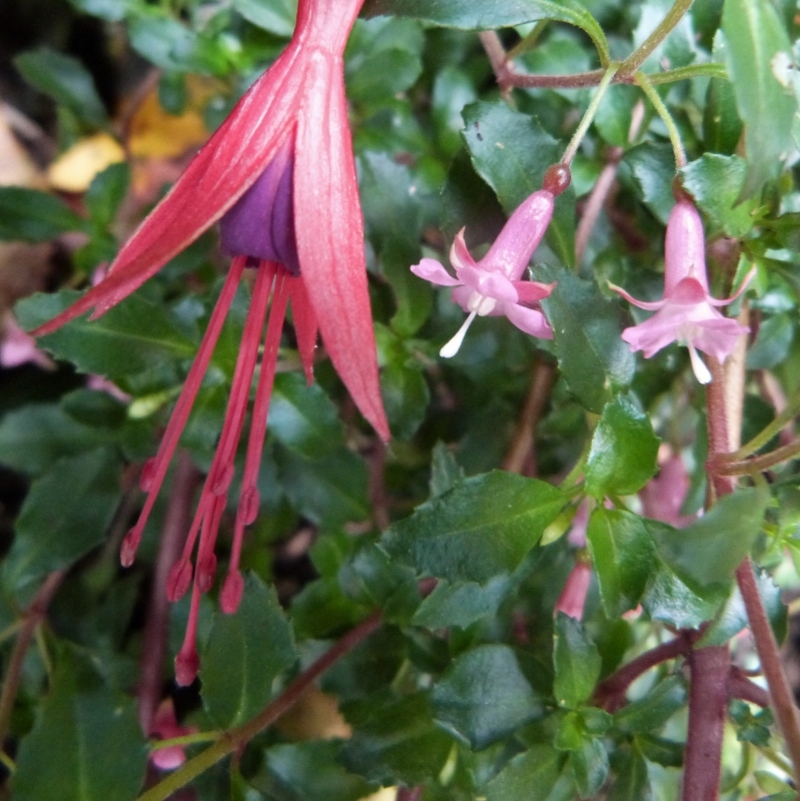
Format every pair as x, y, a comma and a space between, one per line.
166, 727
687, 313
279, 176
573, 597
493, 285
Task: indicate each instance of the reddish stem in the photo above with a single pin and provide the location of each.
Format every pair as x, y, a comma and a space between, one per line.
708, 701
739, 686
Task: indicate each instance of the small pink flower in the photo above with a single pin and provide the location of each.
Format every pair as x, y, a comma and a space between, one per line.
663, 496
492, 286
687, 313
17, 347
166, 727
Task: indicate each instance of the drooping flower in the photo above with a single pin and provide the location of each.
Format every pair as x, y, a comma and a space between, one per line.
687, 313
663, 496
493, 285
573, 597
166, 727
279, 176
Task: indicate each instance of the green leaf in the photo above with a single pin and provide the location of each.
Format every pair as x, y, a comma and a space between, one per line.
633, 782
331, 489
32, 216
772, 346
715, 182
722, 127
471, 16
653, 169
706, 553
484, 696
275, 16
511, 152
576, 661
303, 418
106, 193
461, 604
590, 765
446, 472
661, 751
653, 710
66, 754
142, 330
593, 359
405, 396
483, 527
111, 10
622, 458
64, 516
299, 771
539, 767
395, 741
622, 554
65, 80
755, 39
245, 652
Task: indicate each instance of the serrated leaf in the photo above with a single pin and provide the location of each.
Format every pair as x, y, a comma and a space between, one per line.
66, 754
245, 652
64, 516
65, 80
511, 152
468, 15
576, 661
622, 457
484, 696
142, 330
655, 709
539, 767
303, 418
706, 553
622, 554
715, 182
395, 741
483, 527
593, 359
653, 170
461, 604
31, 216
755, 38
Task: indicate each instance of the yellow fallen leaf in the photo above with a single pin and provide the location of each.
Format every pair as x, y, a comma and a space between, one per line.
75, 169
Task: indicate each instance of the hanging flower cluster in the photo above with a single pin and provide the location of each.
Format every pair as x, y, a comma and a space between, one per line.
279, 177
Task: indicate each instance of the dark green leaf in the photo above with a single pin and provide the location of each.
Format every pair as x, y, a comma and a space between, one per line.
661, 751
593, 359
66, 755
590, 765
396, 741
332, 489
623, 453
633, 783
483, 527
706, 553
653, 710
469, 15
32, 216
622, 553
775, 338
106, 193
484, 696
143, 331
511, 152
653, 170
275, 16
65, 80
64, 516
756, 41
173, 46
715, 182
537, 768
245, 652
461, 604
445, 470
302, 417
576, 661
722, 127
405, 397
111, 10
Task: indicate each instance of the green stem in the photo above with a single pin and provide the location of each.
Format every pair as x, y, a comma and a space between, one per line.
583, 127
759, 463
646, 86
642, 53
772, 430
684, 73
234, 739
186, 739
529, 42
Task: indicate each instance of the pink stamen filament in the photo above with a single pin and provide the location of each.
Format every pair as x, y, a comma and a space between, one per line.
248, 499
157, 469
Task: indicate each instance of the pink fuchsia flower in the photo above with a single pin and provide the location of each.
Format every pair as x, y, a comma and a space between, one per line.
663, 496
166, 727
573, 597
279, 176
17, 347
688, 313
493, 285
